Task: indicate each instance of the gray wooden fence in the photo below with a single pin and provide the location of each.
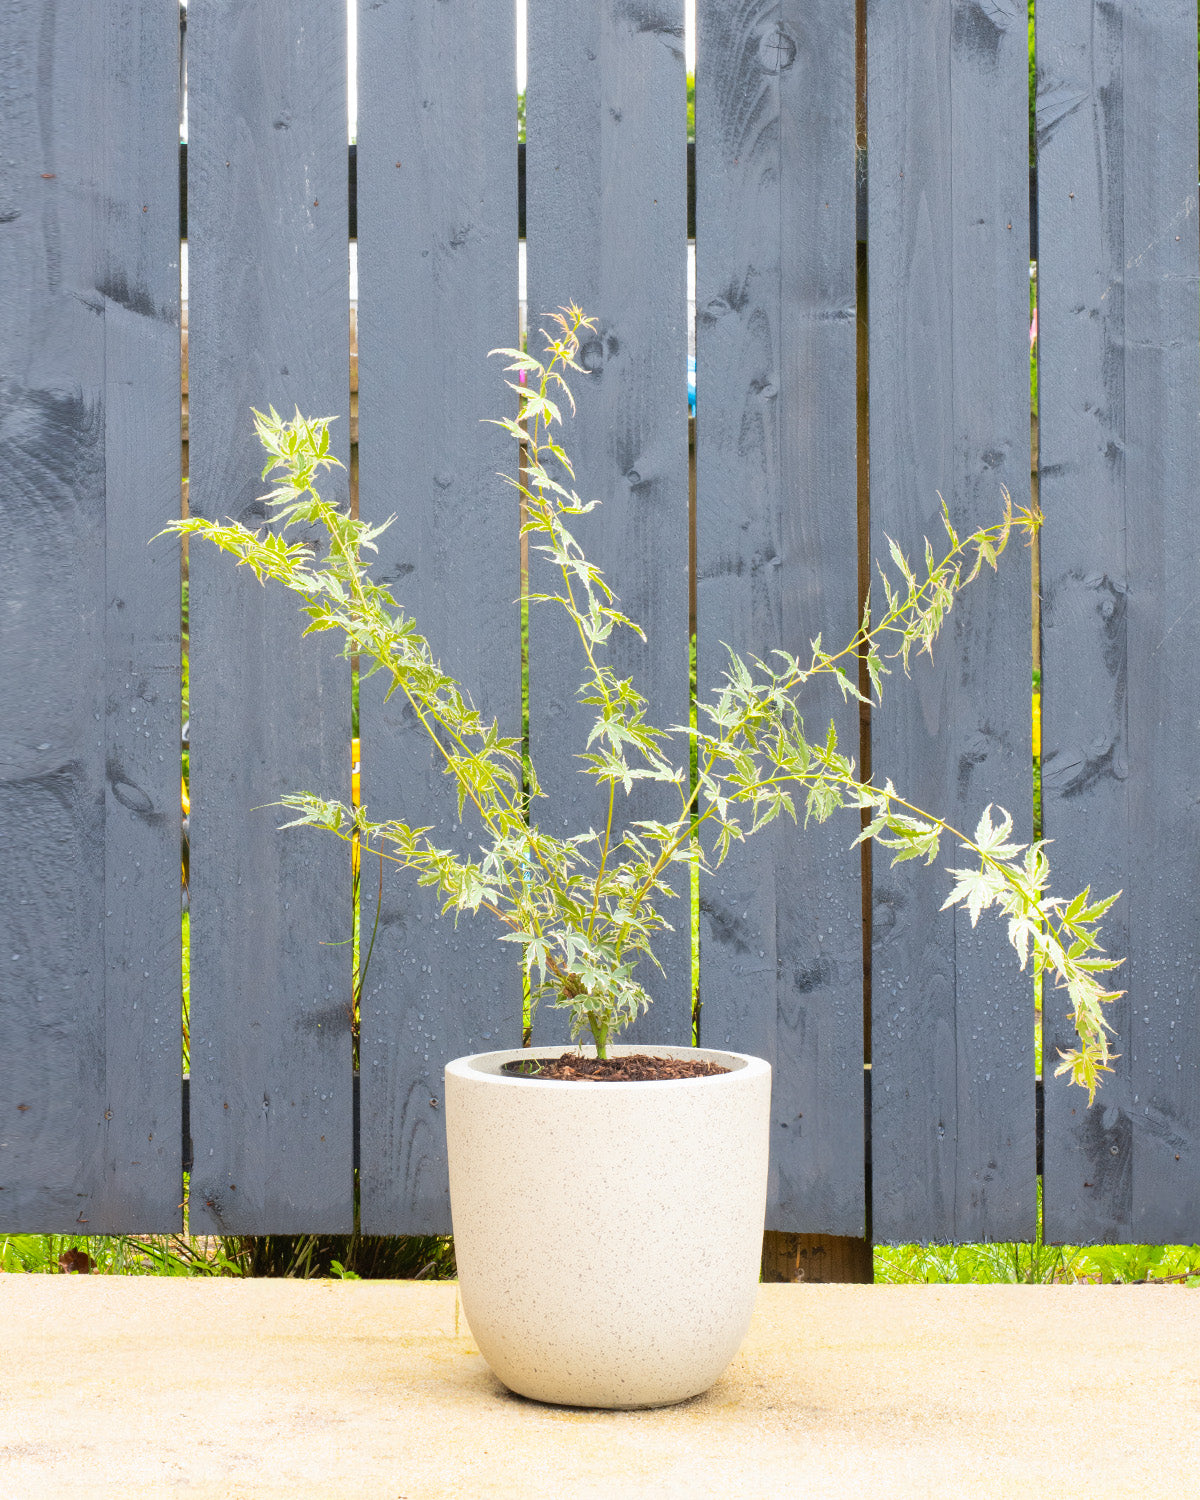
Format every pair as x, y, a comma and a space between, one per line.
790, 318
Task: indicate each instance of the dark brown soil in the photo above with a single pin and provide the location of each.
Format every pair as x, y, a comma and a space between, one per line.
635, 1067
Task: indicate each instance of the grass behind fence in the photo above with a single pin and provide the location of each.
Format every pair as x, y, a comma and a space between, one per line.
432, 1259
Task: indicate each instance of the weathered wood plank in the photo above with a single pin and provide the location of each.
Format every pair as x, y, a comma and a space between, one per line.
1120, 370
1084, 572
818, 1258
780, 930
89, 666
52, 494
437, 291
140, 283
606, 225
952, 1018
269, 311
1162, 459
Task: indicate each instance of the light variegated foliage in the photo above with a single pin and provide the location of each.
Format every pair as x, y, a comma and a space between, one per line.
586, 910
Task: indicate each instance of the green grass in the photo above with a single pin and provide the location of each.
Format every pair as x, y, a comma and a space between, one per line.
348, 1257
368, 1257
1036, 1264
116, 1255
1033, 360
187, 990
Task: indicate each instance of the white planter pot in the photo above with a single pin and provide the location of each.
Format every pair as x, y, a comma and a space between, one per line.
608, 1235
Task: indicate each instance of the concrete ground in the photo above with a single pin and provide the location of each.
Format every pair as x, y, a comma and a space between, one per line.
143, 1387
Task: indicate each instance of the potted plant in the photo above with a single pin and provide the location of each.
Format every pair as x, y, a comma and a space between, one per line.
608, 1204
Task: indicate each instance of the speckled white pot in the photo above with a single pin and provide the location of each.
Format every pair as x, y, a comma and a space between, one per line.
608, 1235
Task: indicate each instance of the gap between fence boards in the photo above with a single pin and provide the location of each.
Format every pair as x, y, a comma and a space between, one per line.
860, 180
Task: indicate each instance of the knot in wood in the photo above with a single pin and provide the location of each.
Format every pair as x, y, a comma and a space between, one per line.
776, 50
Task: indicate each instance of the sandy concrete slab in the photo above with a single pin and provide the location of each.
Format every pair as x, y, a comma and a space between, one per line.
224, 1388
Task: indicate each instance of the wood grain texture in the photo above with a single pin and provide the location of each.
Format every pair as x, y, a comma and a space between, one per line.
1084, 573
89, 665
269, 319
818, 1258
140, 283
952, 1018
606, 229
780, 934
1120, 370
437, 291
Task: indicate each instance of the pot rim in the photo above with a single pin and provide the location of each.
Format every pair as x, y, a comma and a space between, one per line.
478, 1067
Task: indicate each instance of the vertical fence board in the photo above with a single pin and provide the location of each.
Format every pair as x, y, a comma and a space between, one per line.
89, 814
271, 1098
1120, 370
437, 291
952, 1018
1085, 581
142, 1153
606, 215
777, 560
1162, 458
52, 812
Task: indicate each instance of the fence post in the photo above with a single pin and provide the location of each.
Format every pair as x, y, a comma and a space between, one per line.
816, 1257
